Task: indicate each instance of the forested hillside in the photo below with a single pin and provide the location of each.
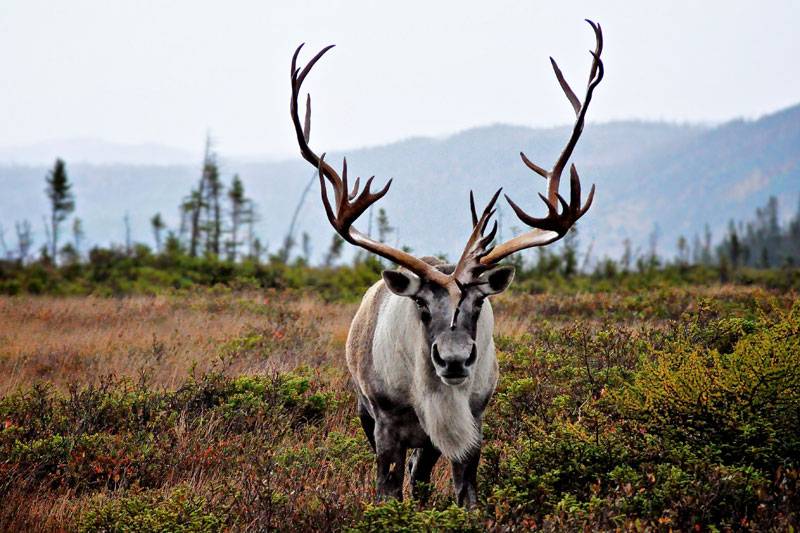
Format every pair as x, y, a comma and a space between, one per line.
655, 181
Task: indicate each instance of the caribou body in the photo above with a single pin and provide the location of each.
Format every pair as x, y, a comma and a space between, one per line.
423, 381
420, 347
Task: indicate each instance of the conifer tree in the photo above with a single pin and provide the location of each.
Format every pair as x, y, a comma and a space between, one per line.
239, 214
334, 251
384, 228
213, 206
195, 205
570, 253
126, 221
306, 248
62, 201
157, 223
6, 252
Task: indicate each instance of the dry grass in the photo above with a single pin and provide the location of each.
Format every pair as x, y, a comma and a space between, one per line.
76, 340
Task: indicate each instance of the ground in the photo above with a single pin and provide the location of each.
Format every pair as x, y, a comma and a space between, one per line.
210, 410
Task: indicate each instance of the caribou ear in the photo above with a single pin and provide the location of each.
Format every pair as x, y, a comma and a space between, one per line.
497, 280
401, 283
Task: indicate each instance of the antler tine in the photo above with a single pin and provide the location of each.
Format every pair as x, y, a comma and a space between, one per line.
355, 188
469, 265
533, 166
323, 186
557, 222
350, 203
576, 104
347, 210
580, 110
472, 209
598, 32
303, 131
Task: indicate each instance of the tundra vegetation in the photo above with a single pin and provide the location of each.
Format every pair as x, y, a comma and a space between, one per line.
165, 391
180, 391
201, 388
659, 405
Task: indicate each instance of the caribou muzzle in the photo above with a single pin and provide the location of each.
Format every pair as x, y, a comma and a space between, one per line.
453, 355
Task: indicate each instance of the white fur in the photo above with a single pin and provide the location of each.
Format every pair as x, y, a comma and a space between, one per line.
446, 418
400, 356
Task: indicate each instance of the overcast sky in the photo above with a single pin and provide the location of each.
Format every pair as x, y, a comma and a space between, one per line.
165, 71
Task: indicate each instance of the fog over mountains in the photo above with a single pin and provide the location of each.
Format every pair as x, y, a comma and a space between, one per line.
673, 177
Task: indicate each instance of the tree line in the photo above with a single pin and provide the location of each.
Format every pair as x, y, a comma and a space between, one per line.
763, 242
218, 219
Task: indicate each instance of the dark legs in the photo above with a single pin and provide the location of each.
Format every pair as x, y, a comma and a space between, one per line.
465, 478
391, 459
367, 422
390, 455
420, 467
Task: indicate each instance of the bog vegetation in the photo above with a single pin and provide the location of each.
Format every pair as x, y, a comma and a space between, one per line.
219, 409
201, 386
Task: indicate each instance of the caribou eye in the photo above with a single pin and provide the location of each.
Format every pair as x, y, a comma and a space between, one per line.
425, 314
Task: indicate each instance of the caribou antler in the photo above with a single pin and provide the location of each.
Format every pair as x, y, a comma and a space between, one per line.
349, 204
478, 255
556, 224
469, 265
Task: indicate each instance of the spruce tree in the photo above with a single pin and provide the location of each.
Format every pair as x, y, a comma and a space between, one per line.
334, 251
239, 211
62, 201
157, 223
213, 207
6, 253
24, 239
306, 248
384, 228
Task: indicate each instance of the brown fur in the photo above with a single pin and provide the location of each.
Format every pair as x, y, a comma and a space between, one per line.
358, 350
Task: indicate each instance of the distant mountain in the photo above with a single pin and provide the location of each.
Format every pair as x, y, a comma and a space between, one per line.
675, 177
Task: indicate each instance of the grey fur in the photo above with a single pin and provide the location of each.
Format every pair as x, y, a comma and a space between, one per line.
424, 374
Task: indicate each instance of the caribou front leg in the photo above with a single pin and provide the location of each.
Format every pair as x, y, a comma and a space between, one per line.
367, 422
465, 478
420, 467
391, 460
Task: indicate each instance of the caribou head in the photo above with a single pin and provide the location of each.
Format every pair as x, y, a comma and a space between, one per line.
420, 347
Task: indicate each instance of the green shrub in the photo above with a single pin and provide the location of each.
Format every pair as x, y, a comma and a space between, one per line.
182, 511
734, 395
395, 516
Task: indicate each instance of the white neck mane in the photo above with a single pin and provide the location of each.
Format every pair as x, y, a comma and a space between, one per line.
446, 417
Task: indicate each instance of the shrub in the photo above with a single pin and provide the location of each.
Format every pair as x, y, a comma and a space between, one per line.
395, 516
734, 395
182, 511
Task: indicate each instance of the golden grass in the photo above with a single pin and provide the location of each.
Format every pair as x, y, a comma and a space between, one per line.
76, 340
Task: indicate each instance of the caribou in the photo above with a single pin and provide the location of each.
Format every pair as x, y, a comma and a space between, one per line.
420, 348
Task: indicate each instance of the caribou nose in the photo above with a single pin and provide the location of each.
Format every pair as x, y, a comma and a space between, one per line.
454, 369
452, 366
437, 359
473, 355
